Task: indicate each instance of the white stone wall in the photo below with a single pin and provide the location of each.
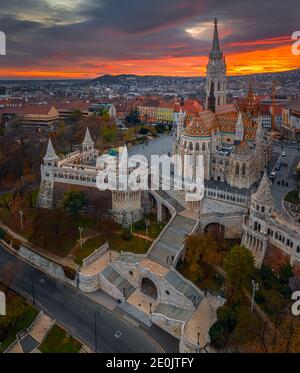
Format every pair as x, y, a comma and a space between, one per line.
45, 264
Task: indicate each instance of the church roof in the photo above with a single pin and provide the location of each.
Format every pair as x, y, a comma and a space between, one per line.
263, 193
88, 140
206, 123
242, 148
50, 154
202, 125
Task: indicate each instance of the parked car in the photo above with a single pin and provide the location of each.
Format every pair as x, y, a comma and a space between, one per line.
283, 154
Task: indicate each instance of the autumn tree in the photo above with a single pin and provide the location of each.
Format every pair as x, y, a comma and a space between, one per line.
201, 254
74, 201
239, 267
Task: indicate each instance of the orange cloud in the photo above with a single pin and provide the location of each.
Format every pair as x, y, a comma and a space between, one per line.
271, 59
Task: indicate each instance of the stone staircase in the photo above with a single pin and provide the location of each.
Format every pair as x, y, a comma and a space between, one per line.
172, 312
184, 287
165, 250
136, 313
41, 327
120, 282
15, 348
172, 201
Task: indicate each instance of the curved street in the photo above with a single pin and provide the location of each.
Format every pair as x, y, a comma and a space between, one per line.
77, 313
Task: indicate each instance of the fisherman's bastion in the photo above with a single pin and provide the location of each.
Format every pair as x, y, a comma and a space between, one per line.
236, 151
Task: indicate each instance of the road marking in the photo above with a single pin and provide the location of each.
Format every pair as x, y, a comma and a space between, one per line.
118, 334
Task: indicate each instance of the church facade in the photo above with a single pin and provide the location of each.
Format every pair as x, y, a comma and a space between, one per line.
235, 147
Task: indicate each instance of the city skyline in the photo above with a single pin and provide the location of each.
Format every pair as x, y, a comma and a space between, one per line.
65, 40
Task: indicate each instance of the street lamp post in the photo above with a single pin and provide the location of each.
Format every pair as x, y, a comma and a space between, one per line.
32, 287
80, 235
198, 341
147, 224
97, 314
21, 213
255, 287
150, 304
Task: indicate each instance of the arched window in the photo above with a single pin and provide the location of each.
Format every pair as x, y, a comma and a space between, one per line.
244, 169
219, 86
191, 146
197, 147
237, 169
203, 147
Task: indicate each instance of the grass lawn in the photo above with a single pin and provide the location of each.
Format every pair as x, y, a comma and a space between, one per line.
135, 245
88, 248
57, 341
153, 230
20, 316
292, 197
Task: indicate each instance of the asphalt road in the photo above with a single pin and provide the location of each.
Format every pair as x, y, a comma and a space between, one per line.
77, 312
287, 174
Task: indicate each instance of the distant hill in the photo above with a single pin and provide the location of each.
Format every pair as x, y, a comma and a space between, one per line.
119, 79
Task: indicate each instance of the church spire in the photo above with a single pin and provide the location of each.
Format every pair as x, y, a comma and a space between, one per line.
239, 128
259, 133
216, 51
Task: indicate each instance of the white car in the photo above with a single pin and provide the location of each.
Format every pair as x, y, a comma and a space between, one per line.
273, 175
283, 154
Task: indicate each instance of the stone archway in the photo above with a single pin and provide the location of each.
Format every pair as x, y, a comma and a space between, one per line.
149, 288
216, 230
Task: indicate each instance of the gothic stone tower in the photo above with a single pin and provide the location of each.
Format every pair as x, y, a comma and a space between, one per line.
216, 72
45, 197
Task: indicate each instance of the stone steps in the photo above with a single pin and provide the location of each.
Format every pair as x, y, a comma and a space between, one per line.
173, 312
16, 348
136, 313
184, 287
172, 240
41, 327
117, 280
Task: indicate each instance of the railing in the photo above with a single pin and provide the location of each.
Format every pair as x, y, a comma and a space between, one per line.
235, 198
95, 255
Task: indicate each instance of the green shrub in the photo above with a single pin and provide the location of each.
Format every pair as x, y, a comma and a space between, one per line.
218, 335
227, 317
285, 273
70, 273
140, 225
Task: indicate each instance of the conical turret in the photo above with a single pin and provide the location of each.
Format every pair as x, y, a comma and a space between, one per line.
50, 154
263, 194
88, 143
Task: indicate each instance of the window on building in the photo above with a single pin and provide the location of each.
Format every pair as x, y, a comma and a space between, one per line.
244, 169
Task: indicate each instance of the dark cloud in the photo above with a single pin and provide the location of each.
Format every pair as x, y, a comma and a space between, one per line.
41, 34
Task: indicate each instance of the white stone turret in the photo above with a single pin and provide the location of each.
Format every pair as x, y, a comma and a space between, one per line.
239, 128
50, 156
262, 199
88, 143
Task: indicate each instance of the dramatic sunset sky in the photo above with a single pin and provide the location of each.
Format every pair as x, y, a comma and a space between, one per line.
88, 38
